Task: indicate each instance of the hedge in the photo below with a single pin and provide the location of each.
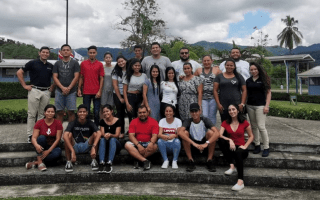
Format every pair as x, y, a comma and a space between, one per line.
307, 112
301, 98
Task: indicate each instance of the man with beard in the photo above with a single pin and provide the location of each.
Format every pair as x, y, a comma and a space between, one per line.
143, 135
184, 57
155, 59
241, 65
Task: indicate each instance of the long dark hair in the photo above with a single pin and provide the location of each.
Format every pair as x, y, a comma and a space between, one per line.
264, 77
117, 69
236, 74
50, 106
187, 63
109, 107
174, 78
130, 70
157, 79
239, 116
171, 106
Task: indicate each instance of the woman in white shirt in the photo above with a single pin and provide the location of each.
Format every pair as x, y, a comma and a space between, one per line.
168, 138
170, 92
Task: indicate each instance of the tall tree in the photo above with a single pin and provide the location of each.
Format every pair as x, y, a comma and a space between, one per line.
142, 24
290, 34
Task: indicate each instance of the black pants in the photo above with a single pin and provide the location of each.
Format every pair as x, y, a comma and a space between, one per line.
233, 157
135, 101
162, 110
121, 110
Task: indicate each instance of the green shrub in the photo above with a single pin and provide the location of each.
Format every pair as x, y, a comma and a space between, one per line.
8, 116
301, 98
306, 112
12, 91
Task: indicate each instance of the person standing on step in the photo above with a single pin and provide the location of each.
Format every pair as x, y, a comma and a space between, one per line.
155, 59
143, 135
91, 78
40, 88
259, 97
233, 146
45, 139
242, 66
110, 128
184, 58
107, 90
138, 53
198, 134
81, 136
66, 74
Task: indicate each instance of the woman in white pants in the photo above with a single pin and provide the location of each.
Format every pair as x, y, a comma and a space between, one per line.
259, 96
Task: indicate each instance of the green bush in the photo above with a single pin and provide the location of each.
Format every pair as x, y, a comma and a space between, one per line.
301, 98
8, 116
12, 91
306, 112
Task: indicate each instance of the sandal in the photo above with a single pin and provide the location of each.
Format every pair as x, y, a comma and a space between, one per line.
42, 167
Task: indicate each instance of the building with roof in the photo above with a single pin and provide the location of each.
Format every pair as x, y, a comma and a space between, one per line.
313, 76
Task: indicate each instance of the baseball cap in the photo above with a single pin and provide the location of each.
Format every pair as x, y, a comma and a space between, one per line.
194, 106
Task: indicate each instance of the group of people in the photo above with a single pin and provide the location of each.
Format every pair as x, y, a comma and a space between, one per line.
167, 104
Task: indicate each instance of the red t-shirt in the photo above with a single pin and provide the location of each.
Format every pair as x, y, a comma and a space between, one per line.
48, 131
237, 136
91, 73
144, 130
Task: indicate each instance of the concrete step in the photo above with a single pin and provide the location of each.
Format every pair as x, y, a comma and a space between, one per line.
274, 147
281, 160
290, 178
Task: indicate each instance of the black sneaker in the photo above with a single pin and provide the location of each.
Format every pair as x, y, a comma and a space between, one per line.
191, 166
211, 167
108, 168
136, 164
69, 167
146, 164
94, 165
29, 139
102, 168
257, 149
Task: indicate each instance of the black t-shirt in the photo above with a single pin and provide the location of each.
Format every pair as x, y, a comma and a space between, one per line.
207, 122
40, 73
256, 93
110, 129
81, 132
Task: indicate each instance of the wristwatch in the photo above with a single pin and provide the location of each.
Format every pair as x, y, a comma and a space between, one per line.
207, 142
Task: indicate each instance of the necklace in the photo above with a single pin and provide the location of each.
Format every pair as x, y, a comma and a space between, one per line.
65, 65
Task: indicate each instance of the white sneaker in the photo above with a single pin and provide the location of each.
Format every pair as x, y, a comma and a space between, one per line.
94, 165
165, 164
174, 164
230, 171
237, 187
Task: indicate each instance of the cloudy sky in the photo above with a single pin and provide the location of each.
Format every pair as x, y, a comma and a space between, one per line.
91, 22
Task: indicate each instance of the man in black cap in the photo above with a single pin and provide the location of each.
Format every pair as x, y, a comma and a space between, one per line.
198, 134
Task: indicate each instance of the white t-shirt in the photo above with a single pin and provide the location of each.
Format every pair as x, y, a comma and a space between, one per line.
178, 66
242, 68
170, 128
169, 92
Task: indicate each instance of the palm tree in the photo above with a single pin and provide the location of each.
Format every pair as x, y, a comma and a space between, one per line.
290, 34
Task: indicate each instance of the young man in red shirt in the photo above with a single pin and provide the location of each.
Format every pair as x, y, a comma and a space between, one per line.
91, 78
143, 135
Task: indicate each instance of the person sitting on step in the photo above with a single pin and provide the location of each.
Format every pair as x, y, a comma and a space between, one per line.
81, 136
45, 139
143, 135
198, 134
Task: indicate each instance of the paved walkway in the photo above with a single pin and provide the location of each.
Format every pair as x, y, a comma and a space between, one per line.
281, 130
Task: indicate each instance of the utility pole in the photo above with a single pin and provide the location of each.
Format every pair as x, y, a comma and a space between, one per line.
67, 24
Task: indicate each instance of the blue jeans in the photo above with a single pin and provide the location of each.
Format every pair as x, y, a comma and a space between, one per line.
114, 146
209, 109
169, 147
54, 155
96, 107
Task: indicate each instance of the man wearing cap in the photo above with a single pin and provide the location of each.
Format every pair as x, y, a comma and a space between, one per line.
198, 134
242, 66
39, 90
143, 135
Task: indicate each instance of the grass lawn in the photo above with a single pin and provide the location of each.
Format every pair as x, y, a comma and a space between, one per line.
94, 197
286, 104
19, 104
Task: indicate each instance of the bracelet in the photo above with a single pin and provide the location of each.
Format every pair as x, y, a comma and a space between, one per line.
93, 146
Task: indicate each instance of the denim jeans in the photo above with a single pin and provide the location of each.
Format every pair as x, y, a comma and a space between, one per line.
114, 147
169, 147
209, 109
96, 107
54, 155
